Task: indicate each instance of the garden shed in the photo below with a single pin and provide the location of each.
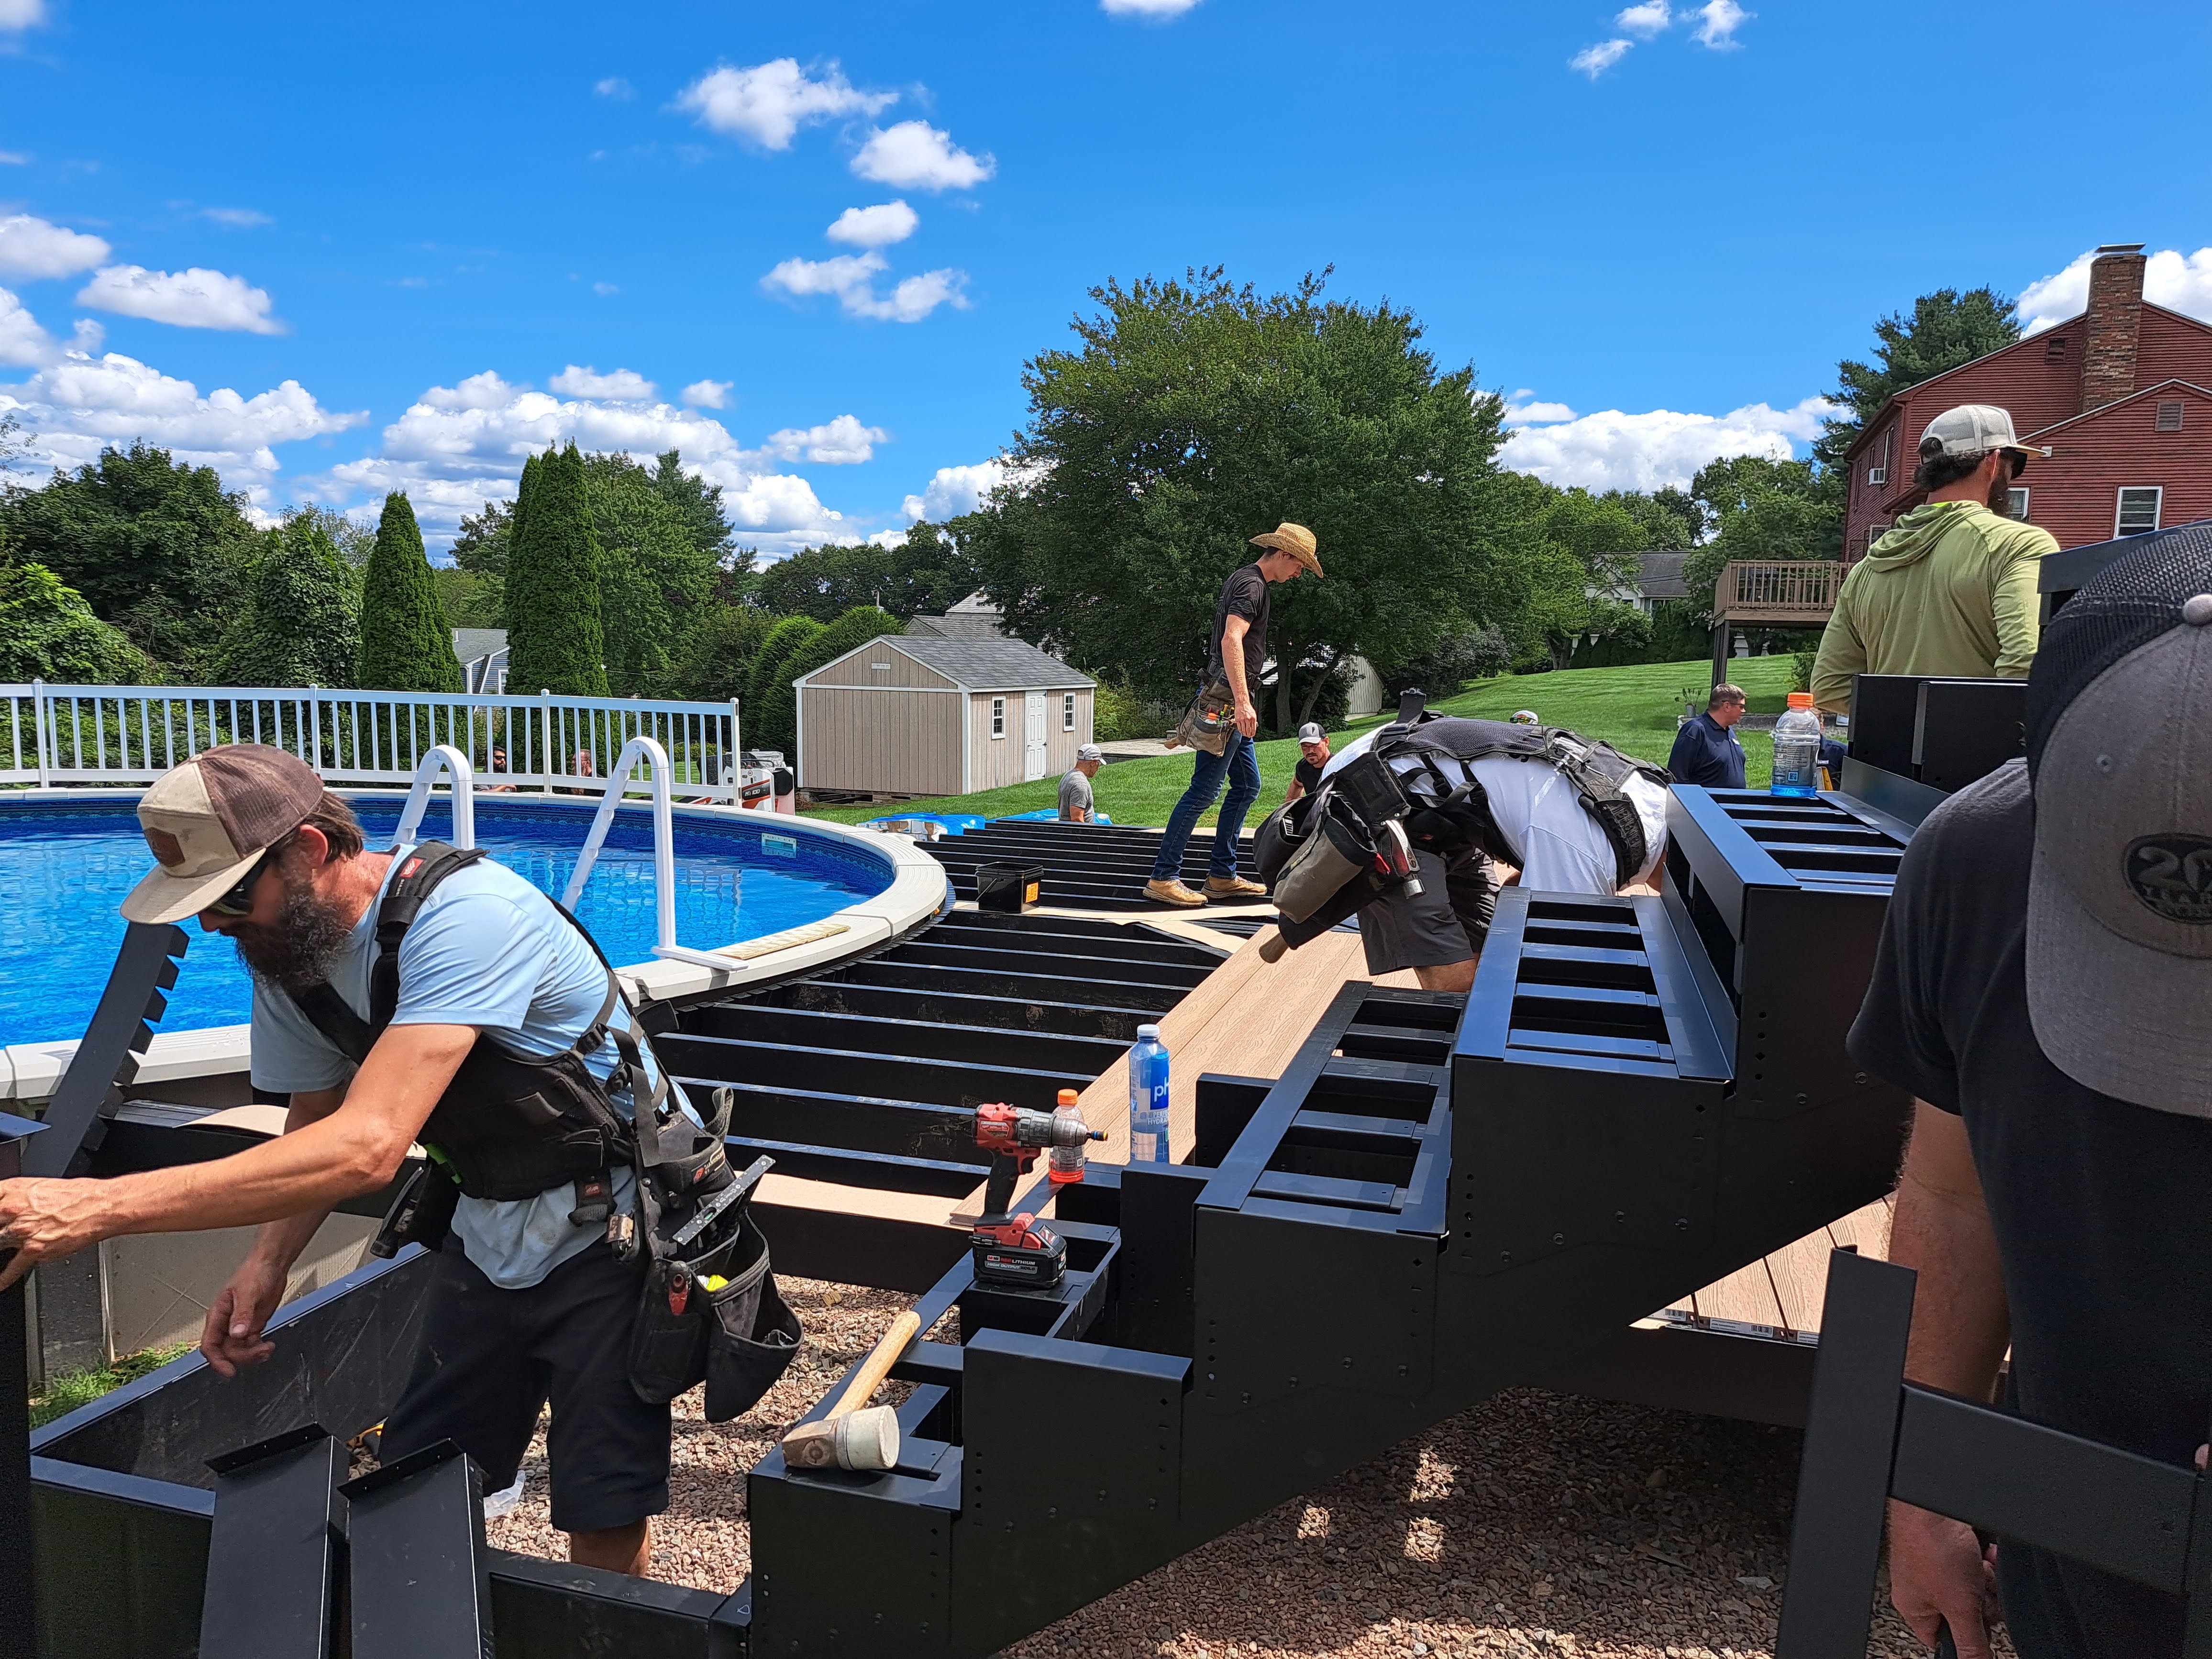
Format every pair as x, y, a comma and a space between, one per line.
907, 715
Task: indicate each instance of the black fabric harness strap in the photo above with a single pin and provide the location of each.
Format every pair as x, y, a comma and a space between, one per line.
1597, 771
506, 1127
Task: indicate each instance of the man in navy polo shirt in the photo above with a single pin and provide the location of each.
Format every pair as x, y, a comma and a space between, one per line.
1706, 751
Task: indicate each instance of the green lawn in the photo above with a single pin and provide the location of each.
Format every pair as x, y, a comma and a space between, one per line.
1635, 709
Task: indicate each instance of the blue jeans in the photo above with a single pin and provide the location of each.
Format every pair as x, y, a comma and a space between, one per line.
1241, 765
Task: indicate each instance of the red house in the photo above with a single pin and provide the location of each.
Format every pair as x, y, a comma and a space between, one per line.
2120, 396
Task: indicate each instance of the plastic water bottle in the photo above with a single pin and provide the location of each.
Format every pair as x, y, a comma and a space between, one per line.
1148, 1099
1797, 748
1066, 1161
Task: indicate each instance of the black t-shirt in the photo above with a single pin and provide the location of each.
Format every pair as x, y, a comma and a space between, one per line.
1244, 594
2102, 1209
1307, 774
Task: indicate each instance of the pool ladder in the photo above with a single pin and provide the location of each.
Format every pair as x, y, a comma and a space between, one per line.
444, 759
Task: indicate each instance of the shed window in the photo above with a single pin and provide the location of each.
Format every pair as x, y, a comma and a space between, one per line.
997, 717
2017, 503
2169, 417
1067, 711
2138, 510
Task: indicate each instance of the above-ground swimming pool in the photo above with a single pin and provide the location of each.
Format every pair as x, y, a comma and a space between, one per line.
64, 866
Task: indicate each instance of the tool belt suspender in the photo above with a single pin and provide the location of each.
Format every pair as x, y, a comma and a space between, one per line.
506, 1127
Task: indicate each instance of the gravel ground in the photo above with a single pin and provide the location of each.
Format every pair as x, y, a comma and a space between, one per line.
1535, 1524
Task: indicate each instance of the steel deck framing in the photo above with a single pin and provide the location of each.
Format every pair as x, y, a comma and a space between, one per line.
1095, 866
1432, 1203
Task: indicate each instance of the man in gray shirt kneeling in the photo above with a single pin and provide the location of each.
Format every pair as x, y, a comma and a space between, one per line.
1075, 786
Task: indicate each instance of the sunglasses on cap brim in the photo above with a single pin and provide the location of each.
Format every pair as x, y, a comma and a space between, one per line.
239, 900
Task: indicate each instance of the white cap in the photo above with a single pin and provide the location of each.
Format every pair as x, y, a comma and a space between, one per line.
1973, 429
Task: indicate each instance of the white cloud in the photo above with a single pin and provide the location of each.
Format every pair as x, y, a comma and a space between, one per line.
957, 490
1534, 414
77, 405
1154, 10
768, 102
24, 345
840, 443
457, 446
874, 226
21, 14
851, 276
31, 247
1645, 20
603, 290
708, 394
2179, 282
915, 155
236, 218
1717, 22
623, 385
1613, 450
197, 298
1594, 61
615, 87
15, 158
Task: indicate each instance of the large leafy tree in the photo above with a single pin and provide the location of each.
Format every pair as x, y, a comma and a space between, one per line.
1190, 416
405, 643
555, 640
157, 547
301, 621
719, 662
655, 579
48, 632
1947, 328
922, 575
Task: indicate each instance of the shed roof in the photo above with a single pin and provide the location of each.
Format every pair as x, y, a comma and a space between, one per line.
977, 664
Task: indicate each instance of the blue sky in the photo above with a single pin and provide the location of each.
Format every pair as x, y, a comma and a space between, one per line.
334, 250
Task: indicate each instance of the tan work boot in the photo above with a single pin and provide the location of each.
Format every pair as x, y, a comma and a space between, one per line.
1169, 892
1232, 887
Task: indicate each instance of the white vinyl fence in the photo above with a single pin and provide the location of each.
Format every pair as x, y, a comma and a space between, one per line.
52, 735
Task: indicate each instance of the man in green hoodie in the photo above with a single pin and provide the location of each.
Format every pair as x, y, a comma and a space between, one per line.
1950, 589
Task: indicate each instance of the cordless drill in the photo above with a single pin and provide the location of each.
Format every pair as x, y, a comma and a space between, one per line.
1019, 1251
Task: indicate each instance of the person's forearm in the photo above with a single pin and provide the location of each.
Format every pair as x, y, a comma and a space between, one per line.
1232, 660
1960, 1323
281, 1242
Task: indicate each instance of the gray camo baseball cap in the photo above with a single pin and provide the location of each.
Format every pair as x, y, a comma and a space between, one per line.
2119, 909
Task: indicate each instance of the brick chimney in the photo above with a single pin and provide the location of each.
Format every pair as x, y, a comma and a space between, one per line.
2108, 358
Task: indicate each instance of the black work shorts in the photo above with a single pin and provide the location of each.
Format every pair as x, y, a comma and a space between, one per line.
491, 1358
1447, 923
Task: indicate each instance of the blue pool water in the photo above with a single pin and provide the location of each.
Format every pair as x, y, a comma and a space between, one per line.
63, 868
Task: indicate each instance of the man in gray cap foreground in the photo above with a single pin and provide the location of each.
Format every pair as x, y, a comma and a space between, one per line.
1950, 589
529, 1299
2044, 987
1075, 787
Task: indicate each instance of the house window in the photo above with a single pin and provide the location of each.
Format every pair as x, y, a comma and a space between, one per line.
1879, 472
1067, 711
2017, 503
2138, 510
2169, 417
997, 717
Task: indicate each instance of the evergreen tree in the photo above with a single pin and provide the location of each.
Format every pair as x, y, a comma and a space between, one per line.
790, 635
405, 645
772, 718
654, 579
698, 503
301, 626
555, 641
1947, 329
719, 662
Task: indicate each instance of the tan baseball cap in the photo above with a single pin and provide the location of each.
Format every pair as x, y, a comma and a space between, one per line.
208, 820
1296, 540
1973, 429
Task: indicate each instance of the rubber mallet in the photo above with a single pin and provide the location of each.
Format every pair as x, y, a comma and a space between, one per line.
854, 1434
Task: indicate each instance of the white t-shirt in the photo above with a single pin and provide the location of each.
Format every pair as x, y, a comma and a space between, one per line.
1563, 849
488, 949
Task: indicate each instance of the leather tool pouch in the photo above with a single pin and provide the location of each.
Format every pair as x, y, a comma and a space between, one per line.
1331, 856
1210, 721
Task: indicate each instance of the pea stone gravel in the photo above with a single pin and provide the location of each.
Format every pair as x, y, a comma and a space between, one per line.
1536, 1524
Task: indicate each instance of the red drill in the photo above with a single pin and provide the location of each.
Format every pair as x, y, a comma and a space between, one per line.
1018, 1250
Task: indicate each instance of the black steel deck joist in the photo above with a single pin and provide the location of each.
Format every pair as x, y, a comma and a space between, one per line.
1096, 867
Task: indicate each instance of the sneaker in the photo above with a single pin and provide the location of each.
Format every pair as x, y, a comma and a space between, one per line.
1233, 887
1175, 893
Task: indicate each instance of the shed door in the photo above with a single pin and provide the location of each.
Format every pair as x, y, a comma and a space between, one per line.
1036, 749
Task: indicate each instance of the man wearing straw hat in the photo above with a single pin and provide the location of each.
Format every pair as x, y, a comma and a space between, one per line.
1236, 655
